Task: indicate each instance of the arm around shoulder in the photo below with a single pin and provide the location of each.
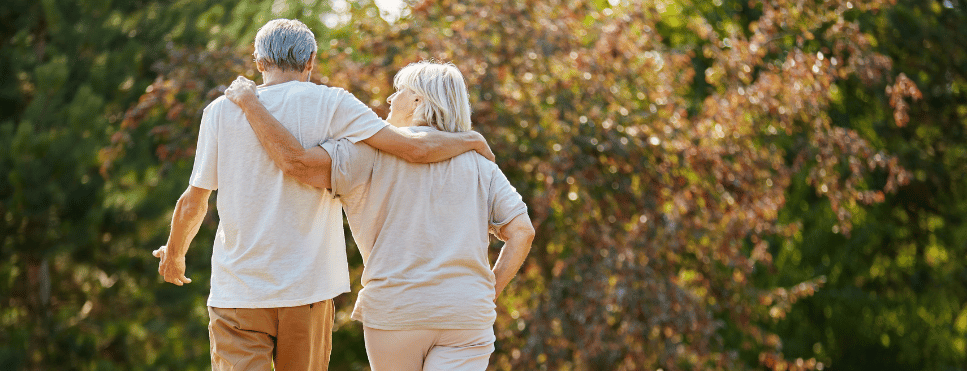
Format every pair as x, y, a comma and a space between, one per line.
308, 165
428, 147
312, 167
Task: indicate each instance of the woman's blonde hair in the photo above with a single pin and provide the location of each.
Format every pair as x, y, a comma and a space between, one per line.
445, 104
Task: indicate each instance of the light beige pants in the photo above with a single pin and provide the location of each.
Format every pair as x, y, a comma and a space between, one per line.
429, 350
293, 338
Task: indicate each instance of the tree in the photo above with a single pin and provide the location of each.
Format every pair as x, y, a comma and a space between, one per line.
79, 287
895, 293
655, 143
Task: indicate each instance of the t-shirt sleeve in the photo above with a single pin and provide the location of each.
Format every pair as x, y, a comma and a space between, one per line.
352, 164
505, 203
353, 120
204, 174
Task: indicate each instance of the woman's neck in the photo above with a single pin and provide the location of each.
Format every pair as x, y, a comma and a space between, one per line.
402, 122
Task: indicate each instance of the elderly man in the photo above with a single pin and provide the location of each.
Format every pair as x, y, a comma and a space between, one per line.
279, 253
429, 291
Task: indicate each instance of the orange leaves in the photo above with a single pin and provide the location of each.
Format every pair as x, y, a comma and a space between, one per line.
167, 115
902, 88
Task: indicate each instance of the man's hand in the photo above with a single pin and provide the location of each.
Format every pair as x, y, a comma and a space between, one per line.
242, 92
483, 148
172, 268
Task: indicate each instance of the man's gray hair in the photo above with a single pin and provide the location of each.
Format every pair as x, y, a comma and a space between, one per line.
285, 43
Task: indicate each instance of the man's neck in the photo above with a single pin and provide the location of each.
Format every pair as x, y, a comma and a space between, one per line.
277, 76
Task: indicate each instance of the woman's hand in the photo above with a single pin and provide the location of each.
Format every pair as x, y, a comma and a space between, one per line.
242, 92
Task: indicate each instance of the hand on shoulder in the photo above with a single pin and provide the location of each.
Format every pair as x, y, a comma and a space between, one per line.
242, 92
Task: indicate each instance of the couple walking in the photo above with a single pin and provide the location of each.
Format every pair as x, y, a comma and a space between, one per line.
287, 157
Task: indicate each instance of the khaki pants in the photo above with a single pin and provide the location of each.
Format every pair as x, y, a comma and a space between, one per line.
429, 350
295, 338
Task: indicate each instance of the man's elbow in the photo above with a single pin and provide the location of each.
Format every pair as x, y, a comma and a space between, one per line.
191, 207
416, 155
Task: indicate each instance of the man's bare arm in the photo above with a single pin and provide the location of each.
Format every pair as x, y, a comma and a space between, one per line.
309, 165
294, 160
428, 147
189, 213
517, 236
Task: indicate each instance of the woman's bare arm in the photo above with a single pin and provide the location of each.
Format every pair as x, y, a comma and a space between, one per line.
311, 166
517, 236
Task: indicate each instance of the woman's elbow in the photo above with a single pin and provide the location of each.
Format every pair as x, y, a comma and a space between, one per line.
291, 168
307, 172
296, 166
523, 232
529, 235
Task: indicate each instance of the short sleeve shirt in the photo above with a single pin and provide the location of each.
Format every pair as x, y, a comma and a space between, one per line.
279, 243
422, 230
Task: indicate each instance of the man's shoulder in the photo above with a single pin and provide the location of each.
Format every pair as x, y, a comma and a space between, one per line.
219, 104
331, 89
311, 92
313, 88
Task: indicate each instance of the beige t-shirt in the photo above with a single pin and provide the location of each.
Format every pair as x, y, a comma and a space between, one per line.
423, 233
279, 243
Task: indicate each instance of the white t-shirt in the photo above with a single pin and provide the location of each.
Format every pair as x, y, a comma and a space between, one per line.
423, 233
279, 243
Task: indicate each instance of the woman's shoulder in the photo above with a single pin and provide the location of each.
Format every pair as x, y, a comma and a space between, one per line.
486, 169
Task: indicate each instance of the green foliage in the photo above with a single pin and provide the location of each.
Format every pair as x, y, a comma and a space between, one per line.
895, 296
78, 284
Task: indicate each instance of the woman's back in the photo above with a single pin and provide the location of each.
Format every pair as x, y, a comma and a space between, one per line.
423, 234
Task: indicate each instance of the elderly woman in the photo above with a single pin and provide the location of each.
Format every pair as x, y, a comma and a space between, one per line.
428, 294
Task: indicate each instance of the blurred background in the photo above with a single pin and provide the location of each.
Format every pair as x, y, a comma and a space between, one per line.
716, 185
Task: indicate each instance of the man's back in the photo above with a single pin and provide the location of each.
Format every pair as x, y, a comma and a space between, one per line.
279, 242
